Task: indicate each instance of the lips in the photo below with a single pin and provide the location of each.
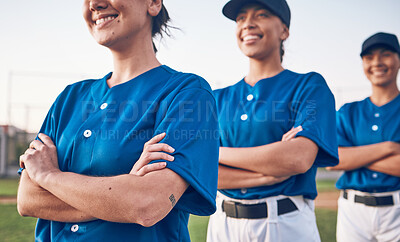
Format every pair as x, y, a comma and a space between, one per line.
249, 38
379, 72
104, 19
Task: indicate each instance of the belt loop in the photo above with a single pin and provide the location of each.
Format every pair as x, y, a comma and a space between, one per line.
272, 205
345, 194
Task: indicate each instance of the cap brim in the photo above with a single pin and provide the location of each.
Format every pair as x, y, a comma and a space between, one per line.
379, 45
231, 9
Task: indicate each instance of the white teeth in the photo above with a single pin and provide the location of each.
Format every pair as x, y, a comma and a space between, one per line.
379, 72
102, 20
250, 37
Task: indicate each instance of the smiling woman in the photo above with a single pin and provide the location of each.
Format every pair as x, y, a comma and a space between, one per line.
277, 128
111, 161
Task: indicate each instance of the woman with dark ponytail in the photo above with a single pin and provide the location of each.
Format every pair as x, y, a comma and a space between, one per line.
129, 156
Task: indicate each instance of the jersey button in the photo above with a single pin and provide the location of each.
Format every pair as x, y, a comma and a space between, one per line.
250, 97
103, 106
243, 190
87, 133
244, 117
374, 175
375, 127
74, 228
377, 115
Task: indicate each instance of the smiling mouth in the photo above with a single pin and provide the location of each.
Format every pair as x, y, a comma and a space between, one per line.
379, 72
105, 19
247, 38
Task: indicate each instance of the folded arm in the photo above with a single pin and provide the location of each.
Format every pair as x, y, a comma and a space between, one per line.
34, 201
126, 198
145, 196
231, 178
283, 158
351, 158
389, 165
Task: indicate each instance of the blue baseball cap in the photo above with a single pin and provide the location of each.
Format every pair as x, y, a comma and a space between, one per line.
381, 39
278, 7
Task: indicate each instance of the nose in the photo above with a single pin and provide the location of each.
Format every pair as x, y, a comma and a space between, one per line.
96, 5
248, 23
376, 60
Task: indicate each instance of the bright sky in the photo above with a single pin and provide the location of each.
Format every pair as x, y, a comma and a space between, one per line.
45, 45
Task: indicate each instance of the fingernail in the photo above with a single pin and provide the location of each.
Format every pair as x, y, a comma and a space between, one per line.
171, 158
171, 149
163, 163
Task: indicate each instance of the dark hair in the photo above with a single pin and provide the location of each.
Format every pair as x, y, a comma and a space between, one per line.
160, 24
282, 51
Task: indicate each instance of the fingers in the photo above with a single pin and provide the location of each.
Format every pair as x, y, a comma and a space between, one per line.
21, 161
156, 139
160, 147
46, 140
158, 156
36, 145
291, 133
151, 167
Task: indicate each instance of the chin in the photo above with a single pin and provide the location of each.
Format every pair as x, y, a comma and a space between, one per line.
381, 83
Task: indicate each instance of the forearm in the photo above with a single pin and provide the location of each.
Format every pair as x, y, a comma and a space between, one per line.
389, 165
351, 158
124, 198
34, 201
277, 159
231, 178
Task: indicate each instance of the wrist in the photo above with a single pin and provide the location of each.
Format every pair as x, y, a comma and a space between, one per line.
45, 179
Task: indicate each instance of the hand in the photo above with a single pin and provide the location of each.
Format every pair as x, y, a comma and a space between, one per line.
291, 133
40, 159
152, 151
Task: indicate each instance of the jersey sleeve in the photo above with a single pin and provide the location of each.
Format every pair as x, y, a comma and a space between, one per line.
314, 109
342, 136
191, 125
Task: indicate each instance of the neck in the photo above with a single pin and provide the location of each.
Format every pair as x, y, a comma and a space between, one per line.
129, 62
261, 69
382, 95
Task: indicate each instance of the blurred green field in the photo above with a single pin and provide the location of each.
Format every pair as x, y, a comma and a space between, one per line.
8, 187
16, 228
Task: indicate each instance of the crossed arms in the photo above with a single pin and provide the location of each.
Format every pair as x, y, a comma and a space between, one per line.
144, 196
382, 157
267, 164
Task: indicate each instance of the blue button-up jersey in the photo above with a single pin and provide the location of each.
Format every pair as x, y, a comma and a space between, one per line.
100, 131
262, 114
363, 123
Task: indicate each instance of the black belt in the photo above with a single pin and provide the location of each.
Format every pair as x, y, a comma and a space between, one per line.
371, 200
255, 211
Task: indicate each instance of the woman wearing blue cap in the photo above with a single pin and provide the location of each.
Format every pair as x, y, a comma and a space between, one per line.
88, 177
369, 150
277, 127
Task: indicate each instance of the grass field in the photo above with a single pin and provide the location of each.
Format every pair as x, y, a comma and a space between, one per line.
16, 228
8, 187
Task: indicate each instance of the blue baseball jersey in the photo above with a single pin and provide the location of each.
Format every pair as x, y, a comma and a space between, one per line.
100, 131
363, 123
262, 114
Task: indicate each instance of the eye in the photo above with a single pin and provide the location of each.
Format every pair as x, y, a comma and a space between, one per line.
240, 18
263, 14
367, 57
386, 53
